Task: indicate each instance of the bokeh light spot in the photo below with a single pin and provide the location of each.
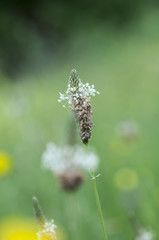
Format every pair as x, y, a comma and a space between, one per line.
121, 148
14, 228
126, 179
5, 164
22, 236
21, 228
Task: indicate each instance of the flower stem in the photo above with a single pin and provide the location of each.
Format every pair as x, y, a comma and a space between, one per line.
99, 205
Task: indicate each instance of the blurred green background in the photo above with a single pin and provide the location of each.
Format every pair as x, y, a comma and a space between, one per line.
113, 45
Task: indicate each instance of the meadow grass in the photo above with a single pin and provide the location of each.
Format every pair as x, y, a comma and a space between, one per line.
123, 66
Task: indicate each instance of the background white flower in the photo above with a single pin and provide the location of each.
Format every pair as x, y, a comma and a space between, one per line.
59, 159
145, 235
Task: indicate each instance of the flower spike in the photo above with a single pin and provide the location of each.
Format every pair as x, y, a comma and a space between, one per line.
78, 97
46, 228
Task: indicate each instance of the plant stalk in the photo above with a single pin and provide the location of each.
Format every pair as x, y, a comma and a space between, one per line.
99, 205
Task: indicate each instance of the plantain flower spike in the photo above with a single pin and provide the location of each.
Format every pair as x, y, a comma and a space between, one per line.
67, 162
78, 97
46, 228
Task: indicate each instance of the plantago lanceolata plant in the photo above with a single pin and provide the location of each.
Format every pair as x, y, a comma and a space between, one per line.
67, 162
78, 97
46, 228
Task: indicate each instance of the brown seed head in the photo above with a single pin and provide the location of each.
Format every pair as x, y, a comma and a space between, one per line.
70, 180
83, 113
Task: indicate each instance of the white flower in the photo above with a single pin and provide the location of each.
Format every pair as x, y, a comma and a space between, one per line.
49, 227
145, 235
47, 230
80, 90
69, 157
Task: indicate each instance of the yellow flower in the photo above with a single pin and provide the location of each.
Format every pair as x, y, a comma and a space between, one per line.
5, 164
15, 228
126, 179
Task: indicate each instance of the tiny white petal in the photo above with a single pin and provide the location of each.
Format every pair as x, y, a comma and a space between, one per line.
73, 93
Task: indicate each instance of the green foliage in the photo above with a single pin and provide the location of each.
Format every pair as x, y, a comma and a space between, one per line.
32, 33
124, 67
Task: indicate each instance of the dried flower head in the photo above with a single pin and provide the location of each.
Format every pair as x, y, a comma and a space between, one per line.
62, 159
70, 180
145, 235
46, 228
78, 97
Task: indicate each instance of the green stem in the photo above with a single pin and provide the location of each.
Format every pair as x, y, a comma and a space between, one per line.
99, 206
